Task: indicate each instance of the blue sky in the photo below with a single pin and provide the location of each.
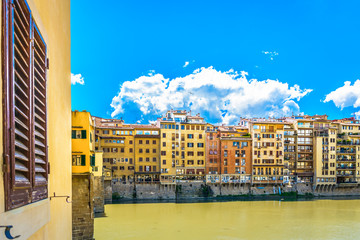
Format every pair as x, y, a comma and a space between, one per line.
312, 44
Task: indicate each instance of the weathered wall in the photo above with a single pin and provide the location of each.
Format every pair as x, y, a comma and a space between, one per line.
82, 207
99, 194
108, 190
193, 190
154, 191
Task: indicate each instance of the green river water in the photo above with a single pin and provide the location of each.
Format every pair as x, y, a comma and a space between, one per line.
317, 219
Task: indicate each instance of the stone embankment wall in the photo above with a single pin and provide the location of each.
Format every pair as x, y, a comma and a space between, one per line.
82, 206
99, 194
192, 190
108, 191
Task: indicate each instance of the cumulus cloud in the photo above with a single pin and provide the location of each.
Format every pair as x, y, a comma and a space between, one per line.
77, 78
186, 64
219, 96
345, 96
271, 54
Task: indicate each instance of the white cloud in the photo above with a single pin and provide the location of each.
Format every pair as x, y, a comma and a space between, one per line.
186, 64
77, 78
271, 54
345, 96
220, 96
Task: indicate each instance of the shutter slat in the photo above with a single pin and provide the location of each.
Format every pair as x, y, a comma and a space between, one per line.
21, 124
39, 92
39, 152
39, 160
38, 100
21, 113
21, 156
21, 68
39, 126
37, 142
21, 145
40, 118
38, 67
17, 98
39, 168
39, 109
38, 134
37, 43
23, 58
22, 81
20, 167
39, 75
19, 133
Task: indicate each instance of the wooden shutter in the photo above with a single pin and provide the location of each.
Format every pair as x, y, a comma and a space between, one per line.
73, 134
83, 160
92, 160
25, 146
17, 105
83, 134
39, 59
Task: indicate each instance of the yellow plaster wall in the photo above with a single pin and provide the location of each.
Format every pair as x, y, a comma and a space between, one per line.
50, 219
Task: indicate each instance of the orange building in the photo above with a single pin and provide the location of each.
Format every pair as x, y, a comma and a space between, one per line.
235, 152
212, 148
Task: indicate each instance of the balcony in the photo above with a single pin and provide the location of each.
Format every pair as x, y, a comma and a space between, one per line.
346, 151
345, 167
344, 159
305, 159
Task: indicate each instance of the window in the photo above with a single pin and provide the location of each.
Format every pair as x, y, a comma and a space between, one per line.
154, 159
154, 141
122, 150
147, 142
130, 142
154, 150
78, 134
190, 136
164, 144
147, 159
79, 160
140, 159
25, 70
200, 136
164, 162
164, 135
147, 150
105, 131
130, 150
163, 153
140, 141
200, 145
140, 150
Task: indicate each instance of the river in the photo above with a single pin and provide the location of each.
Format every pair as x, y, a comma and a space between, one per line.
317, 219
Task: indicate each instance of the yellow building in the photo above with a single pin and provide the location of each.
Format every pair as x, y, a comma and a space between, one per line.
267, 151
348, 152
36, 140
182, 147
83, 142
116, 140
324, 148
147, 153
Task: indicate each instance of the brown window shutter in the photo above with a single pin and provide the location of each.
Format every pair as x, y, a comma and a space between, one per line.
25, 143
18, 106
40, 173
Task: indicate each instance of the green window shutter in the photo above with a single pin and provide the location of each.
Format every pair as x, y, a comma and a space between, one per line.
92, 161
73, 134
83, 160
83, 134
